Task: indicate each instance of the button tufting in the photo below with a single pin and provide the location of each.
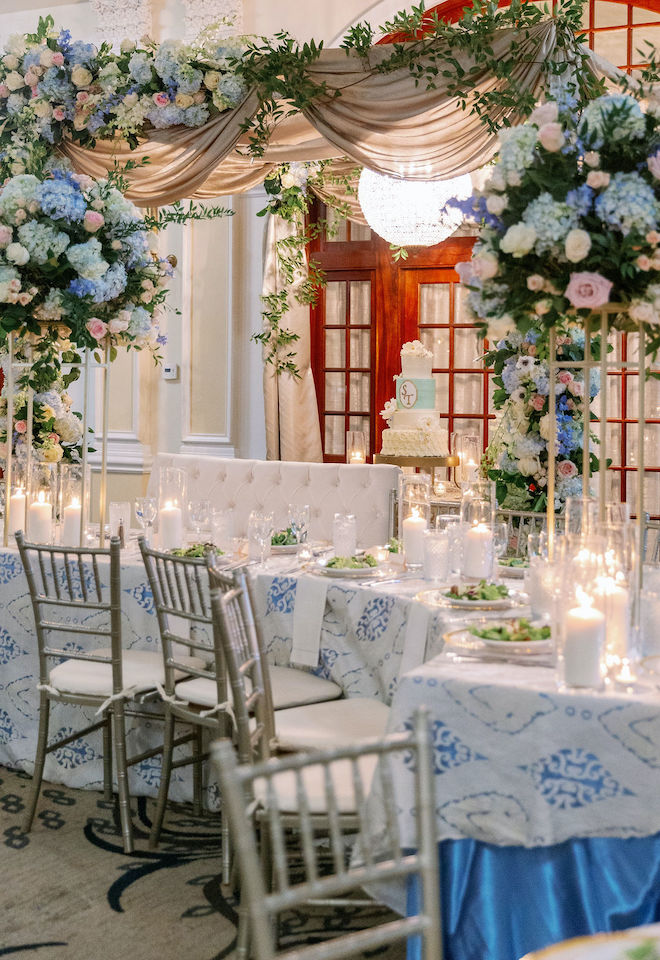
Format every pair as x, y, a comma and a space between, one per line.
231, 505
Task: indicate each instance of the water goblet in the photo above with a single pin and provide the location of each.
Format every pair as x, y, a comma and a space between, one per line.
500, 540
146, 510
299, 517
200, 516
260, 531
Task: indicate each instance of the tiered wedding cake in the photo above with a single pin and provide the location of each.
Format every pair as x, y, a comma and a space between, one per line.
413, 424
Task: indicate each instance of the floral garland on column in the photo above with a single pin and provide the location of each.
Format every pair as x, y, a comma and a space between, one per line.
225, 16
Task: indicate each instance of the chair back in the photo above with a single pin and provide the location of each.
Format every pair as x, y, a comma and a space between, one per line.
247, 670
322, 872
62, 582
179, 587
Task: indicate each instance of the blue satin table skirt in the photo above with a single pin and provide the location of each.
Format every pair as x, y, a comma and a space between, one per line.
498, 903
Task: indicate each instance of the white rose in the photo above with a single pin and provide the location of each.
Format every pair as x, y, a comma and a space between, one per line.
43, 109
11, 62
211, 79
17, 253
496, 180
551, 136
81, 76
118, 324
641, 311
127, 46
496, 204
577, 245
287, 180
513, 178
46, 58
518, 240
15, 80
16, 44
529, 466
544, 426
500, 327
485, 265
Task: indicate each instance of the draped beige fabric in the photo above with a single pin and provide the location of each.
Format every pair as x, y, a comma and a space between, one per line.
292, 420
381, 120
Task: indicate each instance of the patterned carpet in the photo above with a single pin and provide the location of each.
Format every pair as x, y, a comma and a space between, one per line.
70, 893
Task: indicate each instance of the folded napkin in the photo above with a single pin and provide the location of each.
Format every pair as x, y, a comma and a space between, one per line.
414, 643
307, 620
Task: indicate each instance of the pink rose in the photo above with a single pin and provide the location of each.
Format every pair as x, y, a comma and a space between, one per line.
566, 469
161, 99
93, 221
597, 179
97, 328
551, 136
537, 402
31, 79
653, 237
54, 436
4, 90
653, 163
535, 282
59, 114
588, 290
15, 285
24, 298
531, 349
58, 59
576, 388
565, 377
643, 262
20, 426
82, 96
545, 113
119, 323
6, 235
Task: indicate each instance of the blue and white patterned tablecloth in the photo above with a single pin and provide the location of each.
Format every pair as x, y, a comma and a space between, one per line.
519, 763
362, 643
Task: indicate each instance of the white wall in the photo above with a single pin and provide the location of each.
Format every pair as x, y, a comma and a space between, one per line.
216, 404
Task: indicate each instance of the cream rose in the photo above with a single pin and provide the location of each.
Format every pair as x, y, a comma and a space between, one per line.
127, 46
485, 265
518, 240
211, 79
642, 312
183, 100
545, 113
592, 158
577, 245
551, 137
15, 80
81, 76
43, 109
500, 327
496, 204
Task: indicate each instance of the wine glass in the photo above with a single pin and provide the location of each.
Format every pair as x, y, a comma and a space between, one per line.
146, 510
500, 542
200, 516
260, 530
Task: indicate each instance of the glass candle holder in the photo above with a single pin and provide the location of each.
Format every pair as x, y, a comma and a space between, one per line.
467, 448
172, 504
580, 515
414, 516
40, 515
344, 535
581, 628
478, 502
436, 555
73, 505
356, 446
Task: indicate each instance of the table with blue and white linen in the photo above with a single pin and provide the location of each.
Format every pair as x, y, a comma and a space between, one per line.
366, 637
546, 804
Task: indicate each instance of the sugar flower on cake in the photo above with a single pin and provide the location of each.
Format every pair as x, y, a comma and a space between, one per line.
415, 348
388, 410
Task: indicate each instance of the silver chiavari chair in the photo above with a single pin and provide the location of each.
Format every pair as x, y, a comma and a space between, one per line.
179, 587
76, 598
342, 848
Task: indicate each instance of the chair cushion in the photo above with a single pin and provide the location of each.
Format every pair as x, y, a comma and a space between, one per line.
321, 726
291, 688
142, 670
314, 781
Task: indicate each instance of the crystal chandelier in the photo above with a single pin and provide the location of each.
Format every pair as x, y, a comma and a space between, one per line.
412, 213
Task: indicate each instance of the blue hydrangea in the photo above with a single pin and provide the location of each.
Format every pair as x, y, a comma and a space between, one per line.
529, 445
628, 203
231, 88
136, 249
53, 399
580, 199
196, 116
140, 68
541, 379
571, 487
618, 116
552, 221
563, 90
166, 62
32, 59
188, 79
42, 240
64, 41
140, 323
82, 287
169, 116
55, 85
15, 103
511, 376
87, 260
517, 147
111, 284
62, 199
82, 53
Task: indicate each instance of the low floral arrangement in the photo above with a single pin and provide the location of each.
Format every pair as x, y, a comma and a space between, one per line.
76, 265
517, 456
52, 87
571, 217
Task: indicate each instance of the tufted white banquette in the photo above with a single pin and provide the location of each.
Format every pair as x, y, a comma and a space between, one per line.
245, 485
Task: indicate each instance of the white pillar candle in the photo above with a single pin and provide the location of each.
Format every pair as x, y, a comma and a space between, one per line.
357, 457
613, 599
584, 629
413, 538
469, 471
478, 552
71, 523
17, 512
40, 520
170, 526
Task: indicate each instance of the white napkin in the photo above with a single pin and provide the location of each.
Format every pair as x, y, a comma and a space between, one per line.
414, 644
307, 620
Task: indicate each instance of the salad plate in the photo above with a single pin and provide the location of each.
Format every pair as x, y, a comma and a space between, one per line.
353, 568
478, 596
513, 567
520, 636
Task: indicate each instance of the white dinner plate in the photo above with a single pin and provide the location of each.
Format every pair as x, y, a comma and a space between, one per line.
462, 643
281, 550
437, 598
350, 573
